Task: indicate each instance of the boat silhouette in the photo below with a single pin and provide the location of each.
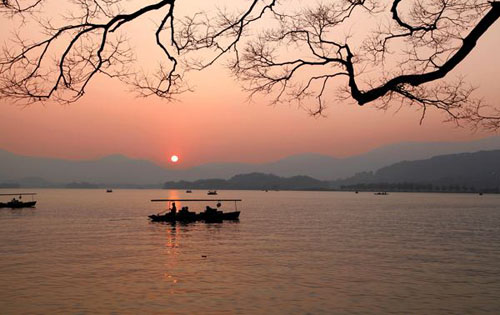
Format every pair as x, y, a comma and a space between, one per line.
18, 203
210, 215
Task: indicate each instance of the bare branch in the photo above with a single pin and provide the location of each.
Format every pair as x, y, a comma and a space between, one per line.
291, 54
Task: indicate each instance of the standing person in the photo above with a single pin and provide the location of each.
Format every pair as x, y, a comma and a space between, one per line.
173, 211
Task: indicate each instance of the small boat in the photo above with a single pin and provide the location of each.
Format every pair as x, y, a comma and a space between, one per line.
18, 203
210, 215
381, 193
109, 190
188, 191
212, 192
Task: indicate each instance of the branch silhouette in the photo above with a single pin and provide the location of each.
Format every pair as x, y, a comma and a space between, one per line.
289, 53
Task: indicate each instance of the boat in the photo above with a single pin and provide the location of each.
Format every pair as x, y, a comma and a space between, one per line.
381, 193
210, 215
18, 203
188, 191
109, 190
212, 192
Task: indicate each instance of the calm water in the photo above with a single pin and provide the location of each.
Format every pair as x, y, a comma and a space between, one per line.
86, 251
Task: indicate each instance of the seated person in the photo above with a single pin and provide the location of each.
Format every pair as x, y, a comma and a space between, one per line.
209, 209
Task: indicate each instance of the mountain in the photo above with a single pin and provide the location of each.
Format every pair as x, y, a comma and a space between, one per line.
479, 170
327, 168
120, 170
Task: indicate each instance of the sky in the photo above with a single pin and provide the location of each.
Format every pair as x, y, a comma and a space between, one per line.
216, 123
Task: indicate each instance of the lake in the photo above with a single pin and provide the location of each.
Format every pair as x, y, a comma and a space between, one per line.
88, 251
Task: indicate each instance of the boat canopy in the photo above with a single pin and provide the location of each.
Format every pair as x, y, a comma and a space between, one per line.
170, 200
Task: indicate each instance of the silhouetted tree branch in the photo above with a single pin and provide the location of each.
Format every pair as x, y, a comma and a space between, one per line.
290, 51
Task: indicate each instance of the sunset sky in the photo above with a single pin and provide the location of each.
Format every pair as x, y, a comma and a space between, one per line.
215, 123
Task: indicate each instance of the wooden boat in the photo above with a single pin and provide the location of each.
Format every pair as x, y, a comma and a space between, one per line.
210, 215
18, 203
212, 192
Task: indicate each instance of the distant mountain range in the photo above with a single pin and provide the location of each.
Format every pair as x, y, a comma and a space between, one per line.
465, 172
120, 171
479, 171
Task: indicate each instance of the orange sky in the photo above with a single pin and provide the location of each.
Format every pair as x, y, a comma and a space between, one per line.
216, 124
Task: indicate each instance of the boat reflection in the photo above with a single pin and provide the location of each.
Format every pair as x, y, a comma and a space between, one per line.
181, 243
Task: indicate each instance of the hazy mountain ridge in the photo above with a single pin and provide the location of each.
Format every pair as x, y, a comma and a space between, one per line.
110, 169
330, 168
118, 170
479, 170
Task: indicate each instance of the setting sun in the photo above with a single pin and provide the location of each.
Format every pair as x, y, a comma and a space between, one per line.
174, 158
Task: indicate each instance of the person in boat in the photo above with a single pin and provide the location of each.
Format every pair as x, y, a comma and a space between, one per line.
209, 209
173, 210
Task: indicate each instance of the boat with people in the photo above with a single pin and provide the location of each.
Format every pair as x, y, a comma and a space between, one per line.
210, 215
18, 203
381, 193
212, 192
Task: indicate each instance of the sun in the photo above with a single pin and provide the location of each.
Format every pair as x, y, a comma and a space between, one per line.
174, 158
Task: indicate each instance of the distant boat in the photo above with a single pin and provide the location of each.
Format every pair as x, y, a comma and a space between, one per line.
109, 190
17, 203
188, 191
212, 192
381, 193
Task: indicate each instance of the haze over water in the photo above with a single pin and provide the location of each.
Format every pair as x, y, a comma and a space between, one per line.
85, 251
